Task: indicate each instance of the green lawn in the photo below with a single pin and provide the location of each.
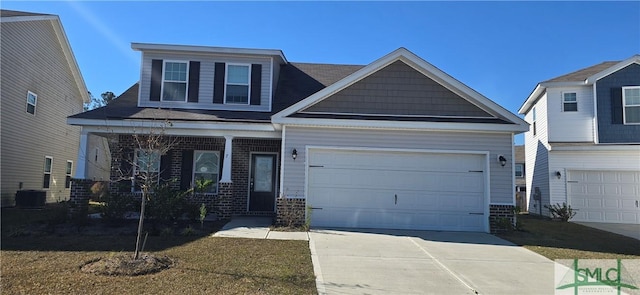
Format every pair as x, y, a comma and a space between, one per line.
48, 262
566, 240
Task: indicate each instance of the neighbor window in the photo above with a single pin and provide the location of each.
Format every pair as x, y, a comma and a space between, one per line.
147, 165
237, 88
534, 121
631, 103
569, 102
519, 170
67, 179
205, 170
48, 164
174, 81
32, 100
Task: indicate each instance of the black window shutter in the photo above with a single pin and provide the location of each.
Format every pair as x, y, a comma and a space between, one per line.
218, 83
126, 171
256, 83
156, 80
616, 105
187, 169
194, 81
165, 166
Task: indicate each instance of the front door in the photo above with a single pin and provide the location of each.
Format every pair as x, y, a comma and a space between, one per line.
262, 182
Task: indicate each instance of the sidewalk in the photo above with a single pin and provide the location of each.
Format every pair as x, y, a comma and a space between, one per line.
256, 228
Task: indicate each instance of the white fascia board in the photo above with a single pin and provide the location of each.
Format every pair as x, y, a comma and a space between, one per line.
634, 59
25, 18
531, 100
415, 62
375, 124
106, 124
208, 49
599, 147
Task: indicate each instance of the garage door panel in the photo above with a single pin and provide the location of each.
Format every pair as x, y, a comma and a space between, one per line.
604, 196
396, 190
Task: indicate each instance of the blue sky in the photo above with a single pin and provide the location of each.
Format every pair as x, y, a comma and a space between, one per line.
500, 49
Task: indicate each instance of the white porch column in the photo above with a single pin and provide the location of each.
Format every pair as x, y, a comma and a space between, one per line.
81, 163
226, 166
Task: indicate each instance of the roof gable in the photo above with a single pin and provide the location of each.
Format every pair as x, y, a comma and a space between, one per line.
452, 98
397, 89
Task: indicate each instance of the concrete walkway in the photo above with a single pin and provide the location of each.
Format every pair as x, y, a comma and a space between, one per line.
425, 262
629, 230
256, 228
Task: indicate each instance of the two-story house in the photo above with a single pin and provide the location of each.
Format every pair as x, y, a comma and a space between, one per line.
41, 86
396, 143
583, 147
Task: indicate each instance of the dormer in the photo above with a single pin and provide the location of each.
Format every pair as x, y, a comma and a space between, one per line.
209, 78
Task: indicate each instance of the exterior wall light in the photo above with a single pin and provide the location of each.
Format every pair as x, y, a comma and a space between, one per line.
294, 154
502, 160
558, 174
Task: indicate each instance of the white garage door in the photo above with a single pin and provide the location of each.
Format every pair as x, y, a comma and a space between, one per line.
397, 190
604, 196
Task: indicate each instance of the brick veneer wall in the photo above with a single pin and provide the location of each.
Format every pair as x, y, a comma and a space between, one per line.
498, 212
79, 196
231, 198
290, 212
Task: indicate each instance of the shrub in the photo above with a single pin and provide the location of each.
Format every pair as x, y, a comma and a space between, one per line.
563, 213
115, 206
167, 205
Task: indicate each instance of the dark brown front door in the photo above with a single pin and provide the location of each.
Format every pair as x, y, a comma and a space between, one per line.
262, 182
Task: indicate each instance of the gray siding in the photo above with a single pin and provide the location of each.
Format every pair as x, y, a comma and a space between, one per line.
501, 188
611, 130
205, 95
33, 60
398, 89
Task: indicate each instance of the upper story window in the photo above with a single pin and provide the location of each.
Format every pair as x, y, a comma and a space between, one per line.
631, 104
569, 102
32, 100
534, 120
174, 81
519, 170
237, 84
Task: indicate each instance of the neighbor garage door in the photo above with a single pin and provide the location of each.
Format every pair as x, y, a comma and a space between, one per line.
604, 196
396, 190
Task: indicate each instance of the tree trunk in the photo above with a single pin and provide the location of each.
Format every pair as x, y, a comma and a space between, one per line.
136, 254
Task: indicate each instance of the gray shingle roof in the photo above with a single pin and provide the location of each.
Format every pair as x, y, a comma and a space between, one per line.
297, 81
10, 13
583, 74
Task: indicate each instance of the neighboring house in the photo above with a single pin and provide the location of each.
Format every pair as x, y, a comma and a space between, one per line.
521, 183
583, 147
41, 86
394, 144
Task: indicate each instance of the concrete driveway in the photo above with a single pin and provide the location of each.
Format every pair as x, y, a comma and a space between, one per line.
425, 262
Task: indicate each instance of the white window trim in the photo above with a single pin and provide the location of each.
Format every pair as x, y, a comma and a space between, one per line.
136, 168
515, 170
193, 170
226, 76
564, 102
50, 172
69, 173
186, 91
34, 105
624, 105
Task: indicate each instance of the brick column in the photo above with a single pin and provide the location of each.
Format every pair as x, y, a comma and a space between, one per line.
500, 214
225, 199
79, 197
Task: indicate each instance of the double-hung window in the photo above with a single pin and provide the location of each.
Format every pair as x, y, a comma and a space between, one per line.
534, 121
68, 171
631, 104
147, 166
519, 170
205, 170
569, 102
174, 81
32, 100
48, 166
237, 84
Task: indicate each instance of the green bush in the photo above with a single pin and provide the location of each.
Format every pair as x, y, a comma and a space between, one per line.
563, 212
115, 206
168, 205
